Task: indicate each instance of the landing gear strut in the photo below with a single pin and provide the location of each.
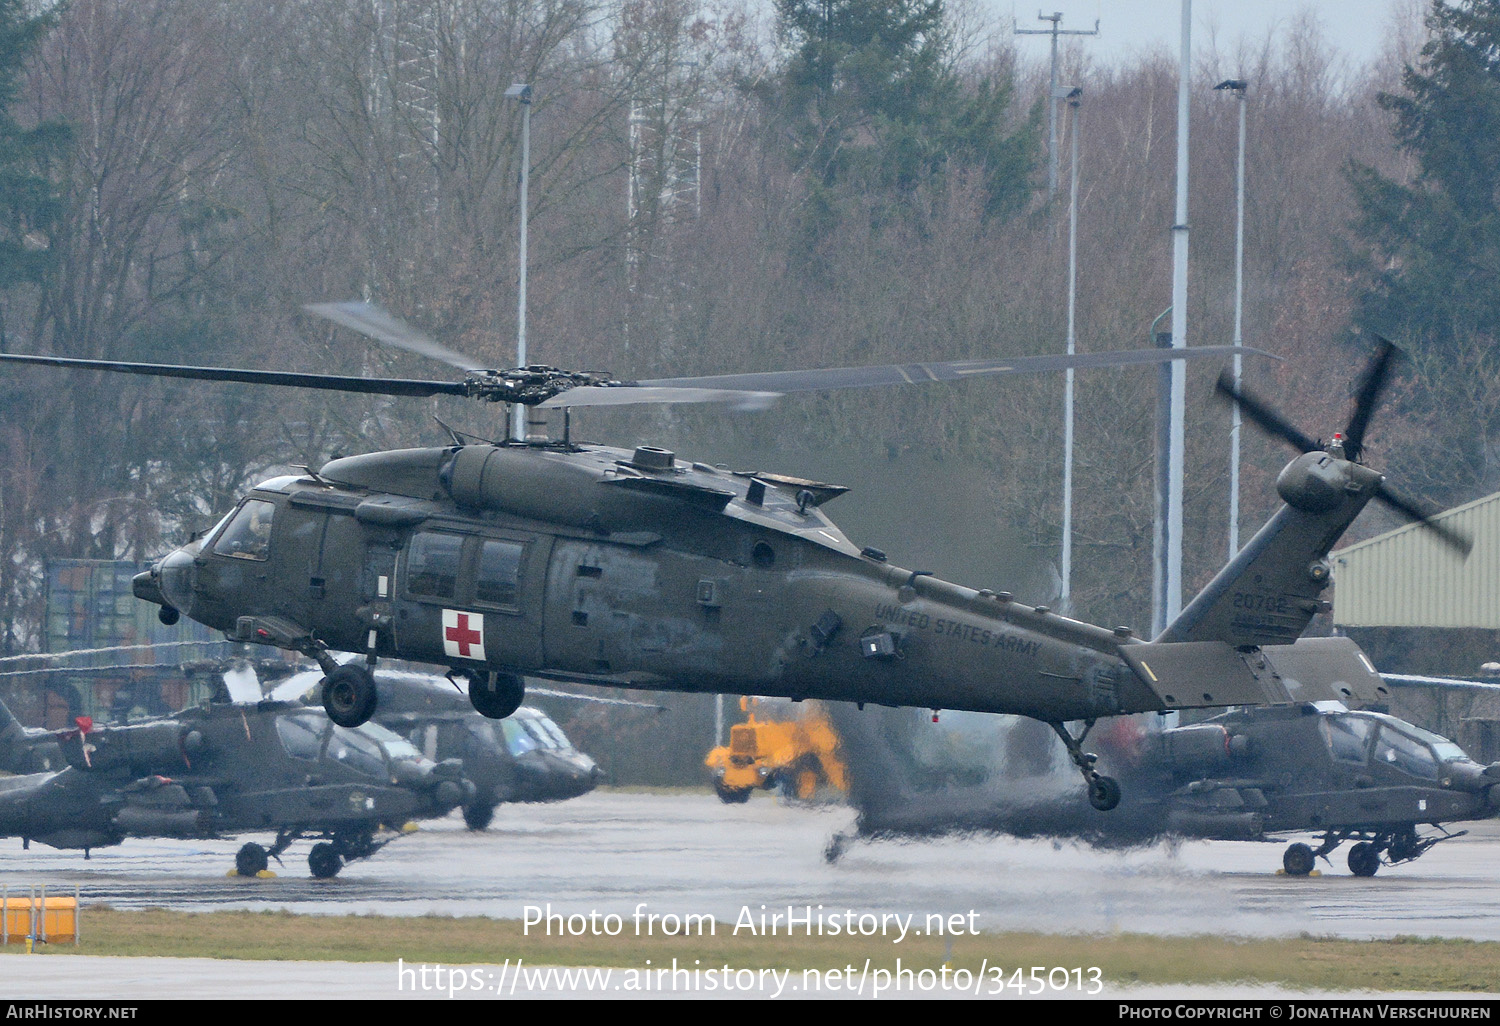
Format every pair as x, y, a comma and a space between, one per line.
1104, 792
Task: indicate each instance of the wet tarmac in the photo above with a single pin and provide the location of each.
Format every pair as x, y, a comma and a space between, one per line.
684, 854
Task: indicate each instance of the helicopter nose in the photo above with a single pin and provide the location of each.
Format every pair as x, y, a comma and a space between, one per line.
174, 577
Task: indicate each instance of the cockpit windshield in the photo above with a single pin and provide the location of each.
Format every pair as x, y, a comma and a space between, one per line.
517, 739
248, 534
1396, 743
396, 746
1445, 750
1360, 737
357, 751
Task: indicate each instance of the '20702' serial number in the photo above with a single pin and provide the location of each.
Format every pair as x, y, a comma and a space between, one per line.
1260, 603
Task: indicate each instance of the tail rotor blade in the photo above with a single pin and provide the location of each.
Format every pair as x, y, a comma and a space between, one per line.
1367, 395
1268, 419
1456, 540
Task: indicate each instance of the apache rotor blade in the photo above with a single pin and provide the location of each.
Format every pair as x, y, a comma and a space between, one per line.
325, 382
1366, 396
1268, 419
1456, 540
919, 373
369, 319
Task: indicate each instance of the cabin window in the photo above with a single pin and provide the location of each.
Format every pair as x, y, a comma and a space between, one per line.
498, 580
248, 534
432, 565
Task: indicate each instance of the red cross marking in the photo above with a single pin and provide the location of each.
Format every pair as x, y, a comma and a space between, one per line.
463, 635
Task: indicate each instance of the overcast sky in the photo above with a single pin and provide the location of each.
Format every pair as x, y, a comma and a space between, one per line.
1128, 28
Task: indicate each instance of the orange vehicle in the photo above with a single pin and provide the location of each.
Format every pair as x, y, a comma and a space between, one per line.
797, 752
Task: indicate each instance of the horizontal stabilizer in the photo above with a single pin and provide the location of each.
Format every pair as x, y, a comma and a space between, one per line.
1210, 674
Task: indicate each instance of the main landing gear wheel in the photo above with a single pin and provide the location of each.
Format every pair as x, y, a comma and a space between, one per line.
349, 695
1297, 860
1104, 793
496, 695
1364, 859
324, 861
251, 859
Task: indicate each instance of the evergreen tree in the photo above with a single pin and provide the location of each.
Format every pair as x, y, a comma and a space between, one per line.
1432, 267
29, 203
873, 100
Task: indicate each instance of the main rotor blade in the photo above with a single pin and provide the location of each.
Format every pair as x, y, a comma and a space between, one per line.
1456, 540
1268, 419
625, 395
1366, 396
919, 373
369, 319
324, 382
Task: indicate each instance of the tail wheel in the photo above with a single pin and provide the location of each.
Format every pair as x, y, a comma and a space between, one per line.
1104, 793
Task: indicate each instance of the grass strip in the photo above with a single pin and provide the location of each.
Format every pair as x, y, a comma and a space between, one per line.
1314, 963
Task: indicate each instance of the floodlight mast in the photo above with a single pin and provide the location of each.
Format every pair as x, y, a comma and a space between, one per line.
1238, 87
521, 93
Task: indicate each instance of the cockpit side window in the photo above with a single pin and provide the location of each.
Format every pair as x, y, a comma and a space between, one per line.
1406, 754
248, 533
1347, 737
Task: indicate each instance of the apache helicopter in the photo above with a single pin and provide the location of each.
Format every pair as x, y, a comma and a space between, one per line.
225, 769
1253, 774
523, 758
581, 562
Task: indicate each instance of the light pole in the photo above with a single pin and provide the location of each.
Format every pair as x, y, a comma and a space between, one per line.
1168, 577
1238, 87
1053, 93
521, 93
1065, 600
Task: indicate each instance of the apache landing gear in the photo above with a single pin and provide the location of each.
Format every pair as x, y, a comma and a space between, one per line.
1104, 792
1370, 852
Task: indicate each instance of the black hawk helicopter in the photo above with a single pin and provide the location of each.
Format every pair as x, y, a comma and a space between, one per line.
224, 769
633, 568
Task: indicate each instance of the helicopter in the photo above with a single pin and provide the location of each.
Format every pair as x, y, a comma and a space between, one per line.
223, 769
523, 758
1250, 774
633, 568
